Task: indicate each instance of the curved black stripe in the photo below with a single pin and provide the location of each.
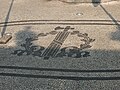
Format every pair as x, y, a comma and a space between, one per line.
58, 21
58, 24
58, 77
59, 70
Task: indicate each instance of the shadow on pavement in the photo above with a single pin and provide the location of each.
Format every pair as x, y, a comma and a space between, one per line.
105, 56
114, 35
54, 49
7, 18
96, 2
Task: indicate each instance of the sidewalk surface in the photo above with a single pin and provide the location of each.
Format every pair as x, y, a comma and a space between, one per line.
60, 46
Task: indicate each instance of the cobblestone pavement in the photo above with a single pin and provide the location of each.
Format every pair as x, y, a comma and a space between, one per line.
60, 46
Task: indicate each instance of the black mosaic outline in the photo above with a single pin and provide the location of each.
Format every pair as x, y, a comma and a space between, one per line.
74, 52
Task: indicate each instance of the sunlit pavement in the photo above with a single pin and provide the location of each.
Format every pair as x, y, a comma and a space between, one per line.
60, 46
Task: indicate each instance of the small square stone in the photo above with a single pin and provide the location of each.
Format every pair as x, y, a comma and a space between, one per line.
5, 39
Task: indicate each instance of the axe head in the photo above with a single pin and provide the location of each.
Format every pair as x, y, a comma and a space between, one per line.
66, 28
